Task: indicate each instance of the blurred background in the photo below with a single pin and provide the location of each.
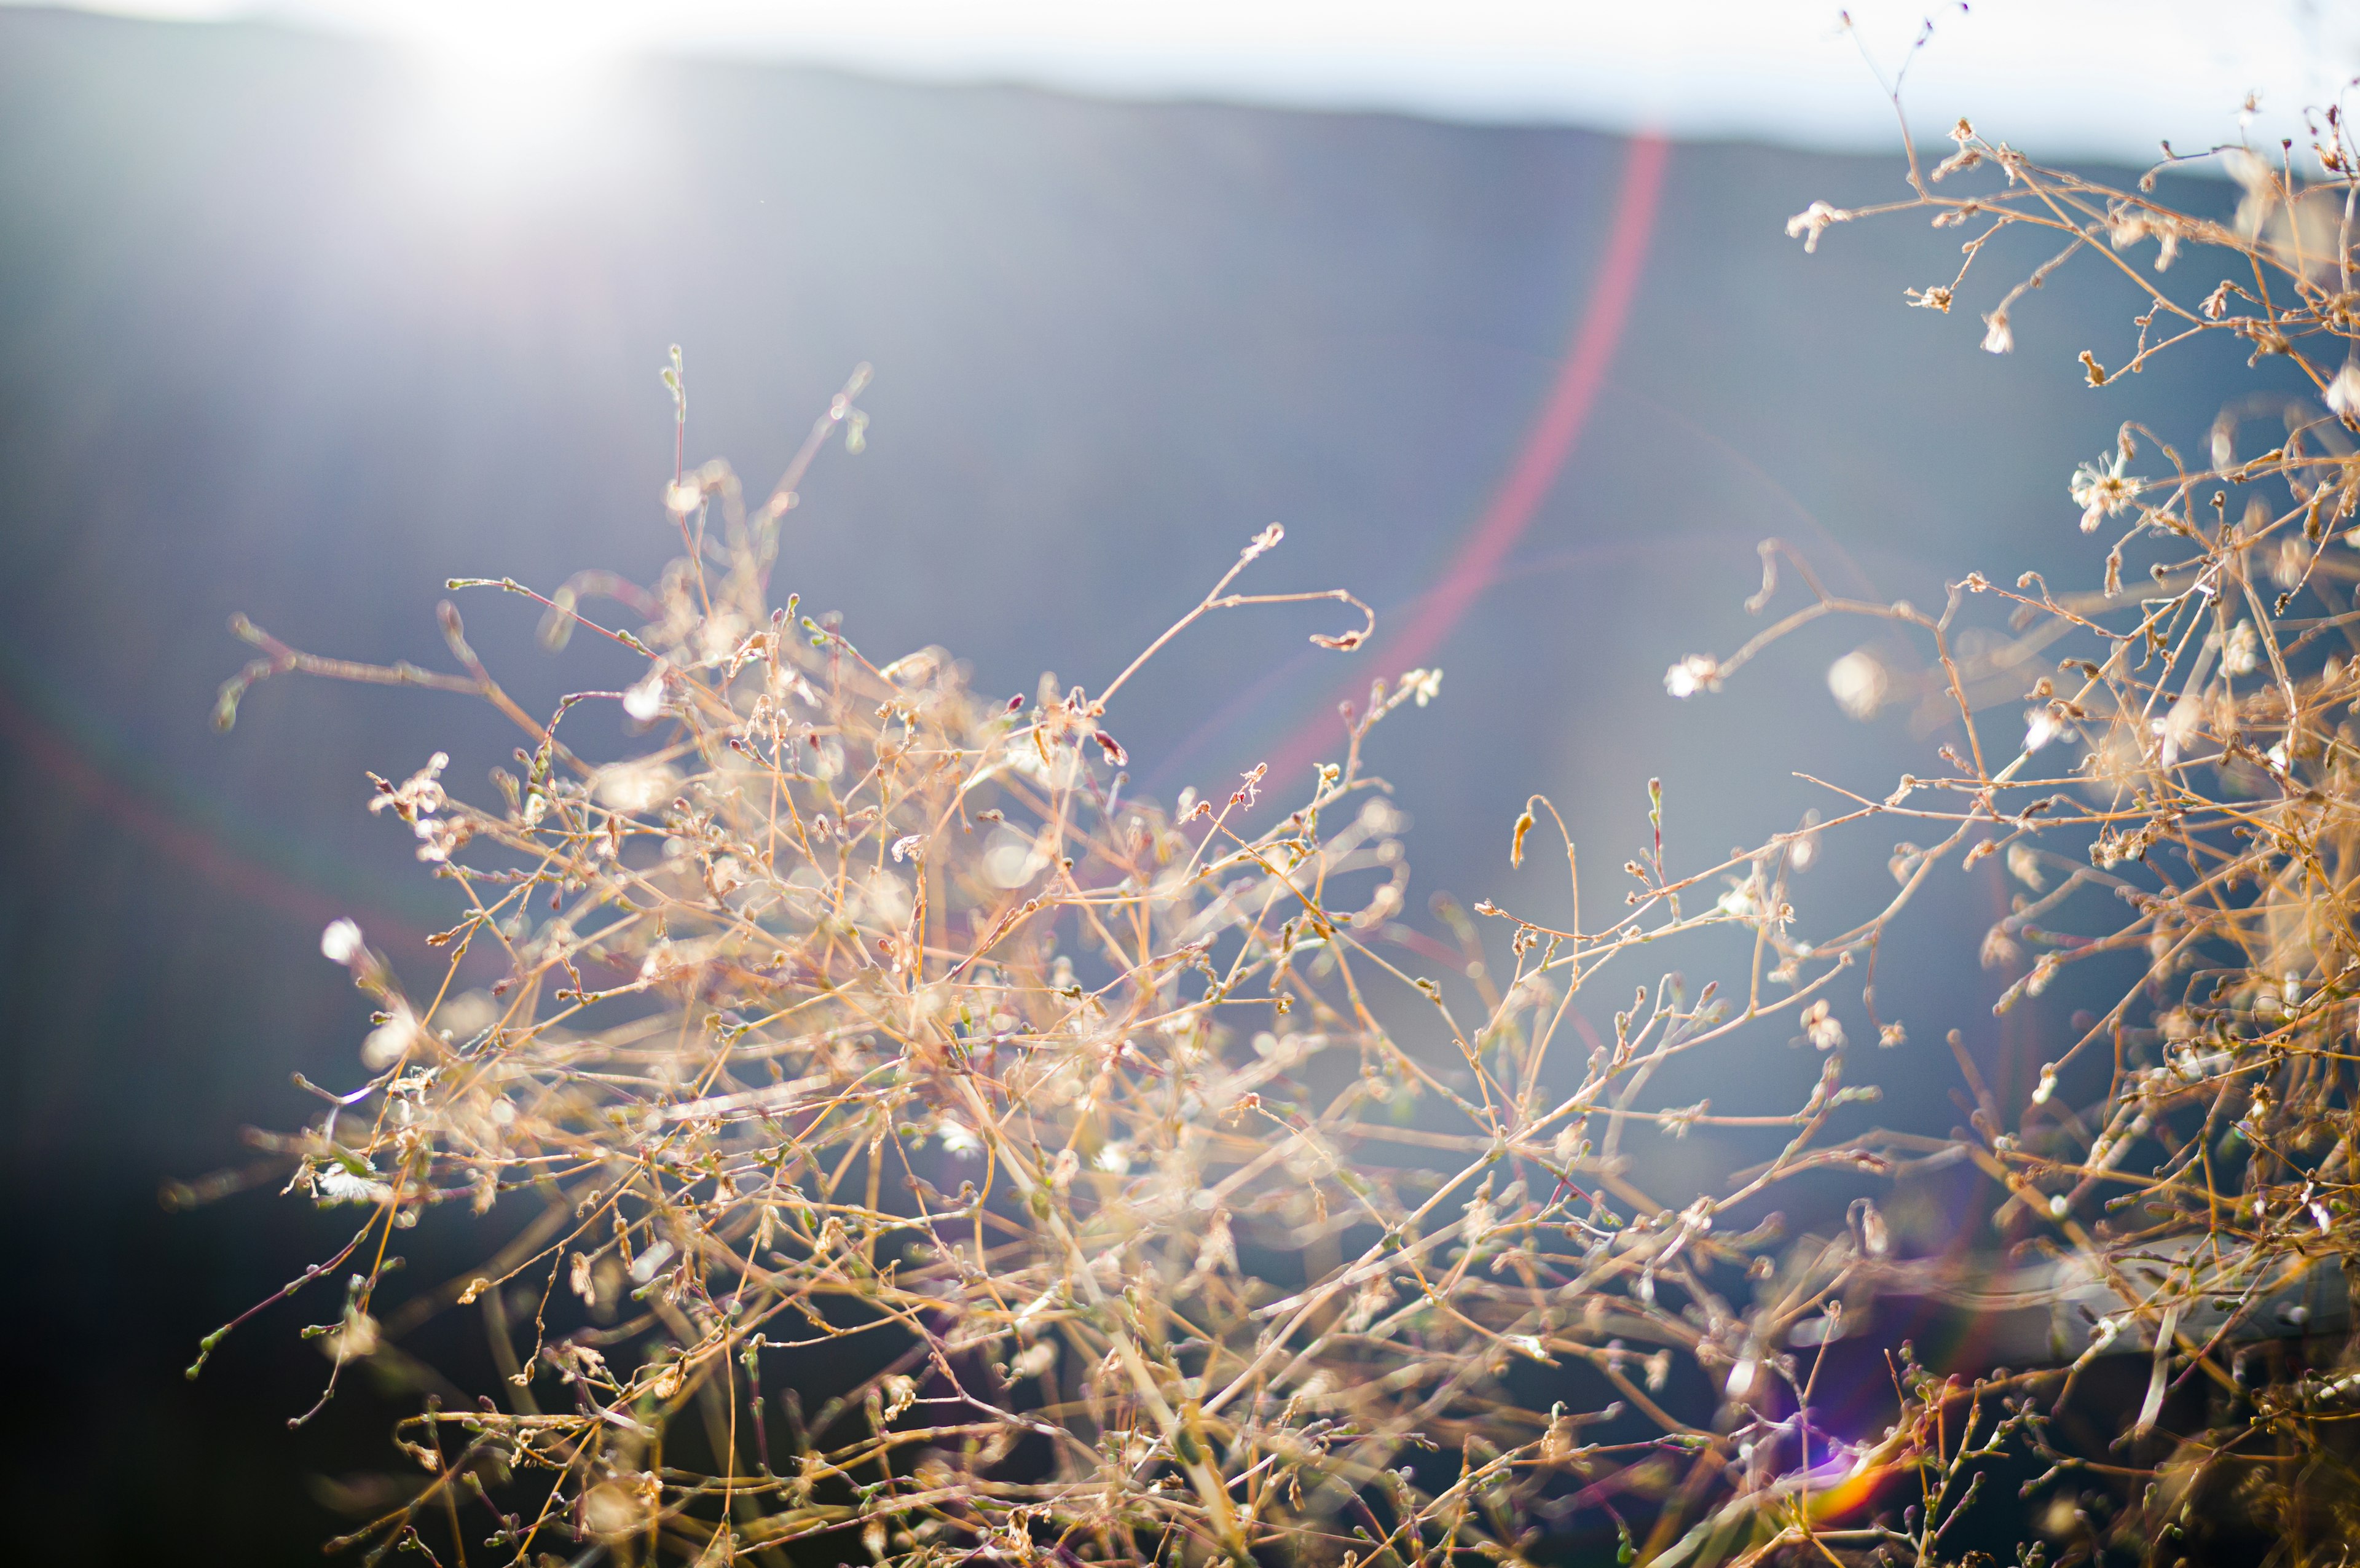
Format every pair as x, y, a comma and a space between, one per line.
306, 309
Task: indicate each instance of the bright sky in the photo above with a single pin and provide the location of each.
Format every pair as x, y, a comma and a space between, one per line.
2058, 77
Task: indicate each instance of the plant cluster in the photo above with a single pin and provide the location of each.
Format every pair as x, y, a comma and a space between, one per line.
1135, 1200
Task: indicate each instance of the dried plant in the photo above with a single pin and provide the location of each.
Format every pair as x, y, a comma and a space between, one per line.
2183, 797
864, 1032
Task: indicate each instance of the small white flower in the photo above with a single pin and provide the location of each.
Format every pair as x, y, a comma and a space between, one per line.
341, 942
335, 1184
2260, 196
1859, 683
439, 836
2242, 654
2041, 727
1811, 221
1426, 685
2100, 489
2343, 392
421, 795
645, 700
1821, 1025
390, 1040
1113, 1156
2180, 728
634, 786
2292, 562
644, 1267
1697, 672
955, 1137
1998, 336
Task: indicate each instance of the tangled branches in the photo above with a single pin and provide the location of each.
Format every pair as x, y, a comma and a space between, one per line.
863, 1017
862, 1033
2181, 810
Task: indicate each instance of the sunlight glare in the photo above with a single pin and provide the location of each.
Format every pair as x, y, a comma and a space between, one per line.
507, 86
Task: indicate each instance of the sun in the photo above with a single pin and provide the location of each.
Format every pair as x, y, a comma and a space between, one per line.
507, 87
